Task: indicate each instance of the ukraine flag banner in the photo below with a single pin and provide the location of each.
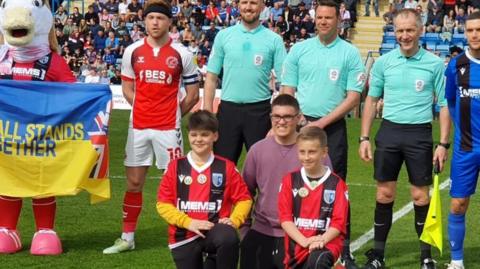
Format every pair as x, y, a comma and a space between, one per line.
432, 230
54, 139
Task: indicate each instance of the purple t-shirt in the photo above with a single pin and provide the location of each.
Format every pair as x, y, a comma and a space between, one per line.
266, 164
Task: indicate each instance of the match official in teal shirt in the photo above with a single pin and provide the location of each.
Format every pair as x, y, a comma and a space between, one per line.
410, 79
327, 75
247, 53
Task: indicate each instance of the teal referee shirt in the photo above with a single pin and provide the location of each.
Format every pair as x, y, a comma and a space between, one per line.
408, 85
323, 74
247, 58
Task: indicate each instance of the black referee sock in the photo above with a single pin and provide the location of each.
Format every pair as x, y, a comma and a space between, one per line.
382, 225
420, 217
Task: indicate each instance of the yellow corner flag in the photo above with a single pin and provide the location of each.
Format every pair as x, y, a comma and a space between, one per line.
432, 231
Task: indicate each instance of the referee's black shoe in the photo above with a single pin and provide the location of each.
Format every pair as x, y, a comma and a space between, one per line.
428, 263
375, 261
348, 261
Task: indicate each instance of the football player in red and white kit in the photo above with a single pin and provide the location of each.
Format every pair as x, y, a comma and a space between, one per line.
152, 71
313, 206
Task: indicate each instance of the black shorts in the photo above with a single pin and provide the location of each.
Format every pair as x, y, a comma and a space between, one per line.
261, 251
337, 145
411, 143
241, 124
219, 249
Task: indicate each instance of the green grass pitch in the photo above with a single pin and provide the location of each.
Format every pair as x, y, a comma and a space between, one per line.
85, 229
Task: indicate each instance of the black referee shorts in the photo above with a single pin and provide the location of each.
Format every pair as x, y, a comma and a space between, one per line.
411, 143
218, 250
241, 124
337, 145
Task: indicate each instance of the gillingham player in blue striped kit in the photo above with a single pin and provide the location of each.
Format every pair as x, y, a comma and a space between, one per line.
463, 96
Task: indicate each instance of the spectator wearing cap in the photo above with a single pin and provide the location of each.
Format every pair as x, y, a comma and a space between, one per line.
302, 11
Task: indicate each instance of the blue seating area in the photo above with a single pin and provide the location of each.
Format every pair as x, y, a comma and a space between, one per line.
431, 41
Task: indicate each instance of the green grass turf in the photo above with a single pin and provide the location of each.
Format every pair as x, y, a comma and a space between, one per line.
85, 229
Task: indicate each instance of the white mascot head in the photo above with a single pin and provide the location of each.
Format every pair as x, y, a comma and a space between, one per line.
27, 23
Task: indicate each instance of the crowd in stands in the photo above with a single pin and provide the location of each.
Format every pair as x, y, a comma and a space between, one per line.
446, 17
93, 43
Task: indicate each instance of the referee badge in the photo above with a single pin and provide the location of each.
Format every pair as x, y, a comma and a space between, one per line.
419, 85
257, 59
188, 180
303, 192
334, 74
202, 178
329, 196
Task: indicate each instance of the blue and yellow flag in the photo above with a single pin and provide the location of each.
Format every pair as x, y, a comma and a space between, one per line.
432, 230
53, 139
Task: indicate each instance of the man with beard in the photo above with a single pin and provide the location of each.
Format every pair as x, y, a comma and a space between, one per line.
247, 53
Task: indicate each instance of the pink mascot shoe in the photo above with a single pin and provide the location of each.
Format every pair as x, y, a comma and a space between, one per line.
46, 242
9, 241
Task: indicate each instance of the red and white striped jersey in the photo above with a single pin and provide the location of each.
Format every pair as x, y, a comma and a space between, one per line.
156, 73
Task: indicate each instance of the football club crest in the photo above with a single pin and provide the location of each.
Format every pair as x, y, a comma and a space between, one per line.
188, 180
329, 196
258, 60
217, 179
334, 74
181, 178
44, 60
419, 84
303, 192
172, 62
202, 178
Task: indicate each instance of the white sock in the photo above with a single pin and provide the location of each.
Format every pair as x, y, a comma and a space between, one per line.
128, 236
457, 263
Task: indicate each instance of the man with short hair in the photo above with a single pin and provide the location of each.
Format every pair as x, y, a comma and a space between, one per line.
328, 91
265, 165
247, 53
462, 94
152, 69
408, 78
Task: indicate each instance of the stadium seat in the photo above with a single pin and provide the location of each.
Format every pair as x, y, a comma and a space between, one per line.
442, 47
431, 46
432, 38
389, 37
457, 38
386, 47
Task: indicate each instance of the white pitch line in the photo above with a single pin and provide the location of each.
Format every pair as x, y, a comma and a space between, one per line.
362, 240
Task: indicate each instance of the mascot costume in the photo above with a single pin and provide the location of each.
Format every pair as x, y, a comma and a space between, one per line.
30, 52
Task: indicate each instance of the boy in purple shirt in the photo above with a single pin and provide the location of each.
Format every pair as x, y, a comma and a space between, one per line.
267, 162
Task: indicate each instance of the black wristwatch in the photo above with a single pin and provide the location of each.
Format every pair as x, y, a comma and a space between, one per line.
445, 145
363, 138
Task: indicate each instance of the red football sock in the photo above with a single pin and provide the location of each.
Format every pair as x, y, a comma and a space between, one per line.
10, 208
132, 205
44, 211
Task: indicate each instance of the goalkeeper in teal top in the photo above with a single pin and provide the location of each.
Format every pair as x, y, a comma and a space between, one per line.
463, 95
